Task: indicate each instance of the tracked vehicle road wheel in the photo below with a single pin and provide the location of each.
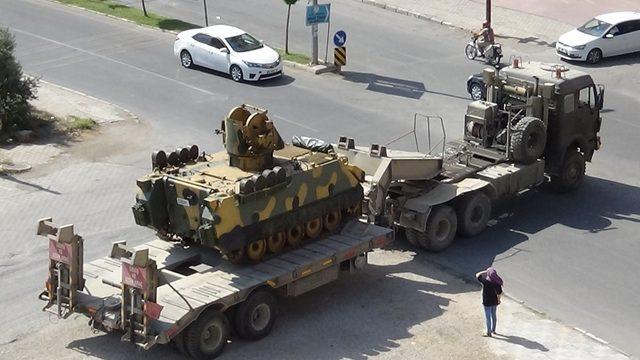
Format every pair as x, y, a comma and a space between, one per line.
474, 211
332, 219
313, 228
256, 250
354, 210
275, 243
529, 140
295, 235
206, 337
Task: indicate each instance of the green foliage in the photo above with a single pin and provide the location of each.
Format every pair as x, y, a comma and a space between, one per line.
298, 58
79, 123
15, 89
111, 7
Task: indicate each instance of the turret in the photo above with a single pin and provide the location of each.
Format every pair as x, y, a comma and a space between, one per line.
250, 138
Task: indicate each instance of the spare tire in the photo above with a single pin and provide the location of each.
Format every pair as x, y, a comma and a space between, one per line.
528, 140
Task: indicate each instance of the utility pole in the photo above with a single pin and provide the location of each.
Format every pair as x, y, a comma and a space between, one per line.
488, 15
314, 39
206, 17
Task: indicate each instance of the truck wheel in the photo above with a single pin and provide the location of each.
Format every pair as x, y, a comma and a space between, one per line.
255, 316
528, 140
441, 229
572, 172
207, 336
178, 342
473, 210
412, 236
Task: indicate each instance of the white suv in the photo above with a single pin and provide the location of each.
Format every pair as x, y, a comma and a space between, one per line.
605, 35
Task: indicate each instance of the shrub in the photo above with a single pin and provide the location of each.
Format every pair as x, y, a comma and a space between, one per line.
15, 89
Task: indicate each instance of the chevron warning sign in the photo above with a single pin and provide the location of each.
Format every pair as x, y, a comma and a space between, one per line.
340, 56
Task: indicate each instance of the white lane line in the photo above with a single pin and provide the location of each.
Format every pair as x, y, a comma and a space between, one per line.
115, 61
294, 123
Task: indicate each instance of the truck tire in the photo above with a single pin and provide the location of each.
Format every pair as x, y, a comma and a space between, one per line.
206, 337
178, 342
412, 236
474, 211
571, 174
529, 140
254, 317
441, 229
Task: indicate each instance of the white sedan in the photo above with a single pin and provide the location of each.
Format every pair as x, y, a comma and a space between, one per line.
605, 35
230, 50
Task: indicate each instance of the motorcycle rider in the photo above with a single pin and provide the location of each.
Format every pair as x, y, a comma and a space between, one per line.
484, 37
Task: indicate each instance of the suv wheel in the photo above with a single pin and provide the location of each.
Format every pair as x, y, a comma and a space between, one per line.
476, 91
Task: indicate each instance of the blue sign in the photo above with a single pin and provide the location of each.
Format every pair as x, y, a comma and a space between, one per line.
340, 38
317, 14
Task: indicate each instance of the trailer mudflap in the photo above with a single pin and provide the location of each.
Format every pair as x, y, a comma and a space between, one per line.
65, 280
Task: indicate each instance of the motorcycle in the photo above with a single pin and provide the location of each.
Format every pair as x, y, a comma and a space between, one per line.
492, 53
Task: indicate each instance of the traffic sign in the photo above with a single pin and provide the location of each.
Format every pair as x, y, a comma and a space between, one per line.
340, 38
317, 14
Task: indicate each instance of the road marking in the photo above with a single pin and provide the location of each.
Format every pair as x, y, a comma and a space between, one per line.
148, 72
295, 123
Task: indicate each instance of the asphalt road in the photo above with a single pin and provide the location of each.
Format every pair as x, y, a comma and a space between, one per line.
573, 257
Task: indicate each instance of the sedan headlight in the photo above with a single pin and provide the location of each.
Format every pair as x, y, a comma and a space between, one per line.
581, 47
250, 64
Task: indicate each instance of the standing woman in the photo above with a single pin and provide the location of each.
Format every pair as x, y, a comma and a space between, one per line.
491, 291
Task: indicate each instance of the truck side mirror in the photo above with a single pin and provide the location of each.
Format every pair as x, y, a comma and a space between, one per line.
600, 98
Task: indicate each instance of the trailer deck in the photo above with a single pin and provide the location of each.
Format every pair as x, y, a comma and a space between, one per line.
192, 279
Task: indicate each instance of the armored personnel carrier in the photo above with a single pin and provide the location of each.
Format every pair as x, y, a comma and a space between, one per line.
258, 195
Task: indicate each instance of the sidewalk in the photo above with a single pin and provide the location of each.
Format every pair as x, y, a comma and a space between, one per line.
540, 21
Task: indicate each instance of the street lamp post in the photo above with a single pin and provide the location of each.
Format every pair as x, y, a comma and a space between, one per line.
206, 17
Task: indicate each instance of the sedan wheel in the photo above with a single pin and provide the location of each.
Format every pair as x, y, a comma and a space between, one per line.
236, 73
594, 56
185, 59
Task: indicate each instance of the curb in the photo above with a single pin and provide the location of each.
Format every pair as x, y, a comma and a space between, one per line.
132, 115
411, 13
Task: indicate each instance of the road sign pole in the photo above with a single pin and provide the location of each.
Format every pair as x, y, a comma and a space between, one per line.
206, 17
314, 39
326, 49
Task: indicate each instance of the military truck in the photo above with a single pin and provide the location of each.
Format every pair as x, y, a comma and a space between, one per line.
540, 123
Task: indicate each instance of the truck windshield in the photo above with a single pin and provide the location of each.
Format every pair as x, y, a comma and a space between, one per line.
244, 42
594, 27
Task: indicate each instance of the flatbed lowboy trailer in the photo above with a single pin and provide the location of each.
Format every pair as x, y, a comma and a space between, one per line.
161, 292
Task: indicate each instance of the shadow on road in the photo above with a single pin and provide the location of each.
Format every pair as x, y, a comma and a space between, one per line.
529, 40
387, 85
590, 209
518, 340
609, 62
278, 81
358, 316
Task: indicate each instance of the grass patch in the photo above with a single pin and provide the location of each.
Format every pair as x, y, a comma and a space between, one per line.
298, 58
136, 15
79, 123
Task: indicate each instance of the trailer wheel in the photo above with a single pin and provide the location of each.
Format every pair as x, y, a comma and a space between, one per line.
529, 140
254, 317
473, 210
412, 236
206, 337
571, 174
441, 229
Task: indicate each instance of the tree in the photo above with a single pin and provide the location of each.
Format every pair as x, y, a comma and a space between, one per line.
286, 36
15, 89
144, 9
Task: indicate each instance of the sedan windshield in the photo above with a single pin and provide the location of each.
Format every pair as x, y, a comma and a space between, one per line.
244, 42
594, 27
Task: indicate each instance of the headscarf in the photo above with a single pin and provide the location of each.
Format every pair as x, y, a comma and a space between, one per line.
492, 275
